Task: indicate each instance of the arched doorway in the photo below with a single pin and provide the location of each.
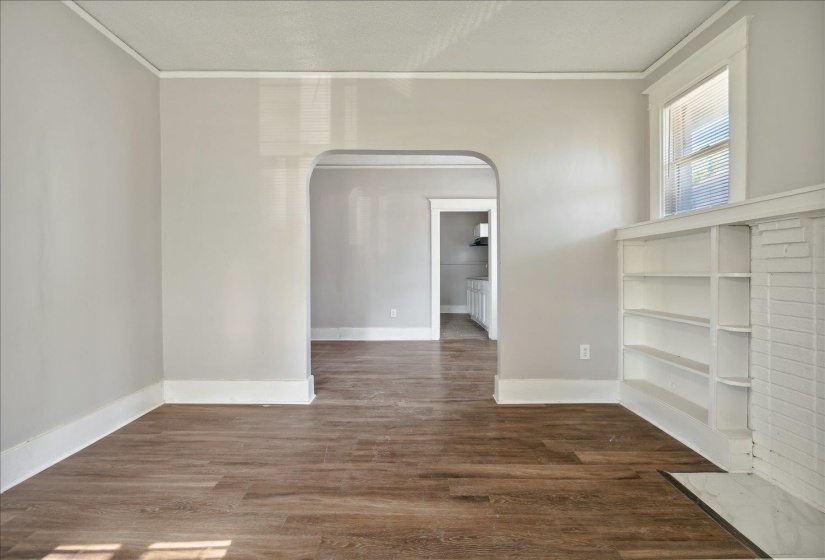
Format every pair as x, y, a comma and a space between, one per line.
373, 276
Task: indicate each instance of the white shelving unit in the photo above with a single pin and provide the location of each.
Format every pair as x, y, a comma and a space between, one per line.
685, 337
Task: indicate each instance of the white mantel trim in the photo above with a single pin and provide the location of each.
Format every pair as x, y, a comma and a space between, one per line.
798, 201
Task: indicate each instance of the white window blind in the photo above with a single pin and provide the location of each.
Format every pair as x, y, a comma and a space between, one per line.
695, 158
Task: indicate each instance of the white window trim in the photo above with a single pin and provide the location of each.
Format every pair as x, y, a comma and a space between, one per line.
729, 49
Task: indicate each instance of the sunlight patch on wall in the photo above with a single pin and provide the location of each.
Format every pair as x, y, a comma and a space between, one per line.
283, 131
476, 15
350, 114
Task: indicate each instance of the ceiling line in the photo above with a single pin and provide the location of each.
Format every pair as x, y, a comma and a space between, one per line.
690, 36
111, 36
200, 74
461, 75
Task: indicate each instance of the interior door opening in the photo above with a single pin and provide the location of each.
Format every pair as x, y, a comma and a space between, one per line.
375, 254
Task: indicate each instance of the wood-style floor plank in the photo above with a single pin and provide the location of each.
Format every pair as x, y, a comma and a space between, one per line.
404, 454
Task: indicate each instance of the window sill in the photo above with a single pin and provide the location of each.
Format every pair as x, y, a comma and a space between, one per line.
799, 201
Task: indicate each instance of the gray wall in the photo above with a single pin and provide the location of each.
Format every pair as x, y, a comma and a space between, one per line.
786, 88
371, 241
458, 260
237, 154
80, 200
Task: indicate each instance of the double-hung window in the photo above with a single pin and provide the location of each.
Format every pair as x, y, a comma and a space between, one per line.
696, 152
698, 128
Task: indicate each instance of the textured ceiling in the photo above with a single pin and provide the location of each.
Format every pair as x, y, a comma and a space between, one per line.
399, 36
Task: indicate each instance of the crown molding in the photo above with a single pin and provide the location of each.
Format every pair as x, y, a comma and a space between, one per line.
690, 37
111, 36
208, 74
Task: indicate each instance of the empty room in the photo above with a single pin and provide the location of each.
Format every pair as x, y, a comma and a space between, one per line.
412, 279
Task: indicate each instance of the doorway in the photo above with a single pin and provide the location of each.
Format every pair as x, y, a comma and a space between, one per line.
370, 241
371, 284
474, 269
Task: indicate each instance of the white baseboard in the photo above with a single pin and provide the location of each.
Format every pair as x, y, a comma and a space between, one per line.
454, 309
201, 391
540, 391
41, 452
379, 333
730, 454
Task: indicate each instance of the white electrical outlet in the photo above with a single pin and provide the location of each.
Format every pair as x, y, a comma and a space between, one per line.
393, 313
584, 352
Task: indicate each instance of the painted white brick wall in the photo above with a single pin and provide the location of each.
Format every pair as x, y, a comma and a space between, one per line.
787, 404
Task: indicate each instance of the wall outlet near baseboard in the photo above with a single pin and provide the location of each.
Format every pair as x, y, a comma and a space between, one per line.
393, 313
584, 351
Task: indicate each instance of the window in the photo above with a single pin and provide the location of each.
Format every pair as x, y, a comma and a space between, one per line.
696, 156
699, 128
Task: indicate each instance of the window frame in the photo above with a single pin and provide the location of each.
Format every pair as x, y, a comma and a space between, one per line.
728, 49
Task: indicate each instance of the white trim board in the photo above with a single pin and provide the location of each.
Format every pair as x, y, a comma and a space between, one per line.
371, 333
463, 204
437, 206
204, 391
229, 74
84, 15
41, 452
698, 436
690, 37
547, 391
726, 50
454, 309
798, 201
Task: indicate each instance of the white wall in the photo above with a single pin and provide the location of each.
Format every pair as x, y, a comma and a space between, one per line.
237, 153
371, 242
80, 176
786, 86
459, 260
787, 408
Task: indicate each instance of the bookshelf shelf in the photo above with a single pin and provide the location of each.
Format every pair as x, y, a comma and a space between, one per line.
685, 334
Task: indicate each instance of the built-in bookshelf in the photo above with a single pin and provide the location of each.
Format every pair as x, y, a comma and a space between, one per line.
685, 334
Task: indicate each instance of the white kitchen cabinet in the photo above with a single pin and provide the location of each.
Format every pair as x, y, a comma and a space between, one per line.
478, 292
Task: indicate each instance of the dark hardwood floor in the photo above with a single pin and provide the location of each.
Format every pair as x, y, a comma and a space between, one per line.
404, 454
